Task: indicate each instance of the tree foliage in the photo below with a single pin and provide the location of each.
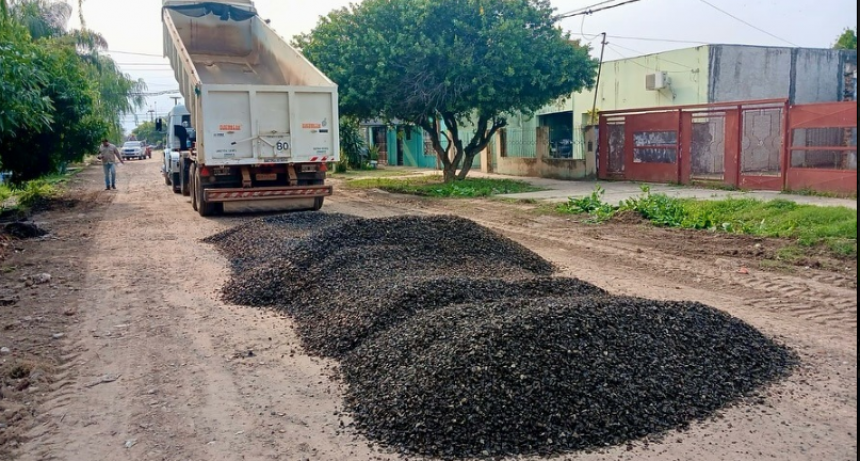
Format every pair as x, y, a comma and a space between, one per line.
58, 94
847, 41
146, 132
448, 64
22, 104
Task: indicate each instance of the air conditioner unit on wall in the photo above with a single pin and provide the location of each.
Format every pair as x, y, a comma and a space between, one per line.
656, 81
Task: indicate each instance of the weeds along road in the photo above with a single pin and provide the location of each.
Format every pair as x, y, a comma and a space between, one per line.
153, 366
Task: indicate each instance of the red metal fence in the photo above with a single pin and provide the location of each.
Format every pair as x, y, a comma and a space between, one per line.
743, 144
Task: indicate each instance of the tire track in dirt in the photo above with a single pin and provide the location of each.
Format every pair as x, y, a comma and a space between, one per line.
803, 298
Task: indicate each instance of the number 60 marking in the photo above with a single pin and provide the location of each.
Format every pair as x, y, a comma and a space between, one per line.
280, 145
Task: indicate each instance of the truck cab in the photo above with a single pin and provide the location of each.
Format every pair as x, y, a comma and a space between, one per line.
180, 139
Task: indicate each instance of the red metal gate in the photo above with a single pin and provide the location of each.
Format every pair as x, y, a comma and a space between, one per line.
741, 144
823, 154
653, 143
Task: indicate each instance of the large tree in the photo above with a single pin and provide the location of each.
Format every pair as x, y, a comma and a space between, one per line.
448, 66
59, 94
847, 41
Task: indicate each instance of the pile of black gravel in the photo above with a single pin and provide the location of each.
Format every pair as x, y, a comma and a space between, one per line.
333, 329
552, 375
255, 242
456, 343
358, 259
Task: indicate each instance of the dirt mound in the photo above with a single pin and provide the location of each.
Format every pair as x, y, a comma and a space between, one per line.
548, 376
24, 230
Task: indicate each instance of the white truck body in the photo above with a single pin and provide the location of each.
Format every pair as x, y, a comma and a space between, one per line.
258, 106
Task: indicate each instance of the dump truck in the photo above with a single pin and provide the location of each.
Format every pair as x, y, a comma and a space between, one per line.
259, 122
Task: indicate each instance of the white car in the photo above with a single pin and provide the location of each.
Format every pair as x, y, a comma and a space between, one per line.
133, 149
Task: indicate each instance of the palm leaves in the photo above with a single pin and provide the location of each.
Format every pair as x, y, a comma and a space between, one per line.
43, 18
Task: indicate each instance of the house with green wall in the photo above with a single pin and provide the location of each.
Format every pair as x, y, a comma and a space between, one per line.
405, 145
560, 140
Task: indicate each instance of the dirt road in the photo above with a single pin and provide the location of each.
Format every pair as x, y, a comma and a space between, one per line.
152, 366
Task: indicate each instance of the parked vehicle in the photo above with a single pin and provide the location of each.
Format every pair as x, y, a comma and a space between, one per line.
133, 149
267, 118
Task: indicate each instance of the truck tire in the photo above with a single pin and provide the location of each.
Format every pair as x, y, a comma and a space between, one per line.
198, 200
184, 178
318, 203
194, 187
177, 188
167, 179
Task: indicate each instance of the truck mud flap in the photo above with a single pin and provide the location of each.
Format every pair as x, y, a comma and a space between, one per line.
266, 193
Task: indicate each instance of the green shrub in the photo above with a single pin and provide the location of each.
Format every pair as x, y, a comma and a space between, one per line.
36, 192
592, 204
432, 186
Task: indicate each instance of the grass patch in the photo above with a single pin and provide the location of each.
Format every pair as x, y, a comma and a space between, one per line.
377, 173
714, 186
432, 186
808, 225
816, 193
36, 192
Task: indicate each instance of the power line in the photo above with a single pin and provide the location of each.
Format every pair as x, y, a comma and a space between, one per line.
584, 8
667, 40
142, 93
588, 10
747, 23
661, 57
142, 64
582, 32
135, 53
633, 60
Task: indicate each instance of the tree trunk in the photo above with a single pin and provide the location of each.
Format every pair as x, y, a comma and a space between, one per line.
449, 173
468, 160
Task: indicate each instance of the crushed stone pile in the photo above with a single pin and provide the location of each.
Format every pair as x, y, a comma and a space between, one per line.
257, 241
553, 375
455, 342
354, 259
333, 329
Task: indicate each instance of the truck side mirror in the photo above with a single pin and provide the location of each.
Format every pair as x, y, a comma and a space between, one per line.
158, 125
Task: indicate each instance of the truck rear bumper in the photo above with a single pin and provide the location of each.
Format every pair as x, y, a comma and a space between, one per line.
266, 193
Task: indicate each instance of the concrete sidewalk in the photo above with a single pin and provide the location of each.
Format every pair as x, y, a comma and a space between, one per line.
616, 191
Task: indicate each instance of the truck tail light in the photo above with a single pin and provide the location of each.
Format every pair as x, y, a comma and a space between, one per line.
204, 171
323, 168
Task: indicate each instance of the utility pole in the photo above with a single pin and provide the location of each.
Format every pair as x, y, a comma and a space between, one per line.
596, 123
175, 99
597, 83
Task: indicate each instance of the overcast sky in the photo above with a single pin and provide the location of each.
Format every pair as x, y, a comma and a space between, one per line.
135, 27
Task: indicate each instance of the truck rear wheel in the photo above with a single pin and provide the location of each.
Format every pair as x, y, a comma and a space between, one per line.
194, 187
184, 176
318, 203
198, 199
177, 188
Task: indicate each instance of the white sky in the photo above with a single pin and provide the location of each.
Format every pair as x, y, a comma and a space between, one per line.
135, 26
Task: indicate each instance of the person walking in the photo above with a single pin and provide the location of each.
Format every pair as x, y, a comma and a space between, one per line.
109, 155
